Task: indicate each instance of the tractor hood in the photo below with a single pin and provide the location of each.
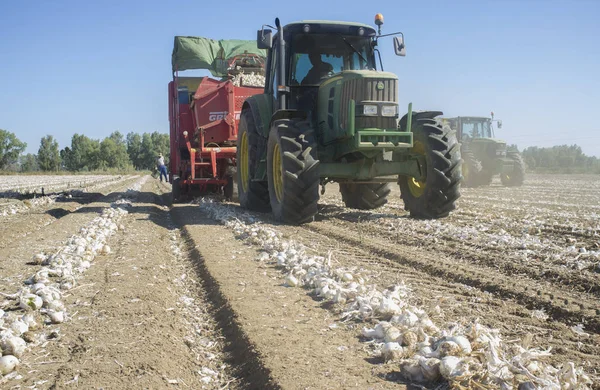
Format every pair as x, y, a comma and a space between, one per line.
360, 99
488, 141
359, 74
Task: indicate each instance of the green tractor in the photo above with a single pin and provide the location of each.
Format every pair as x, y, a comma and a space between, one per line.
484, 155
328, 114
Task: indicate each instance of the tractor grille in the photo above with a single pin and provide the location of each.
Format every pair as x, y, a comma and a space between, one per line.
366, 90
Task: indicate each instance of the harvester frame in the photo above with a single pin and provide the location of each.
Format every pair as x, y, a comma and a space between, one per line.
204, 114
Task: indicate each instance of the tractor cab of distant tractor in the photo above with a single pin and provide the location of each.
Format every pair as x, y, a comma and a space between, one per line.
483, 154
329, 113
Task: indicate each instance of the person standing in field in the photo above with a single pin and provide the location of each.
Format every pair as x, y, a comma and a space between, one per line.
162, 168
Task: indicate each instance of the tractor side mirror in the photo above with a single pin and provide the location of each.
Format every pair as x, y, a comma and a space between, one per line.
264, 39
499, 124
399, 47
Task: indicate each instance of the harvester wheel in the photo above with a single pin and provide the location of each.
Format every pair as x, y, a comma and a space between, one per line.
228, 189
176, 190
436, 195
365, 196
293, 171
517, 177
253, 195
471, 170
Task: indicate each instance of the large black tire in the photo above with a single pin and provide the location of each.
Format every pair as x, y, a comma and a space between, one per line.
253, 195
517, 177
293, 171
176, 190
365, 196
471, 169
228, 189
436, 196
485, 178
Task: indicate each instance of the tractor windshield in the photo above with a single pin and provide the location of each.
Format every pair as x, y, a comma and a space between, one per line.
477, 128
318, 56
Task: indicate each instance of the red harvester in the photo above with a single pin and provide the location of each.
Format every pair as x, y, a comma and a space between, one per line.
204, 112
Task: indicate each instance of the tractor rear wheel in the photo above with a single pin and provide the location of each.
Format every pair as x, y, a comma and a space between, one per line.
253, 195
364, 196
517, 176
436, 195
471, 170
293, 171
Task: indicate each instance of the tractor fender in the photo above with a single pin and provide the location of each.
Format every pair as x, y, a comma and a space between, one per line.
416, 115
261, 108
287, 114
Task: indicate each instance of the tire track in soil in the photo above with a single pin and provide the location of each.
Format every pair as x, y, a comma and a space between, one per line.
20, 225
459, 302
246, 364
558, 306
28, 236
580, 282
129, 327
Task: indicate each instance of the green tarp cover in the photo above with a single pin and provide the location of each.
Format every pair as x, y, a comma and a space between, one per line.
205, 53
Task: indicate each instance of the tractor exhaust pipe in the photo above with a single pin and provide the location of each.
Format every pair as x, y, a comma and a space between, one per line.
281, 88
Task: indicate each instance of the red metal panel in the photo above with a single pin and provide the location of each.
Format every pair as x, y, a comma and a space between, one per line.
212, 124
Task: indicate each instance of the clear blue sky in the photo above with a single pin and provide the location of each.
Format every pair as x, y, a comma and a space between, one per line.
99, 66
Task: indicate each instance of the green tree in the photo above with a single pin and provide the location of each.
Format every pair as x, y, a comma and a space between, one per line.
10, 148
113, 152
134, 149
83, 155
48, 154
29, 163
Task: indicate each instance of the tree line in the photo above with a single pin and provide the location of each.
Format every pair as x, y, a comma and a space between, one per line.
134, 151
560, 159
140, 151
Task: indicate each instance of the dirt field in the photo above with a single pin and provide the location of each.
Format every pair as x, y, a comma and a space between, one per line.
187, 297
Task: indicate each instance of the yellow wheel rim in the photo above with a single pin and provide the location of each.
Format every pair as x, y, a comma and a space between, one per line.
277, 173
244, 162
416, 187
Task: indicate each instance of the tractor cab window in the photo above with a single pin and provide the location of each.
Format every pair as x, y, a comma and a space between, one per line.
316, 57
477, 129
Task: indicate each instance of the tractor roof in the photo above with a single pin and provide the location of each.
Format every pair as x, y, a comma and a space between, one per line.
330, 25
470, 117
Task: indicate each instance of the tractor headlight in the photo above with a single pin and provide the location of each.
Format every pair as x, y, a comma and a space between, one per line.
369, 109
389, 110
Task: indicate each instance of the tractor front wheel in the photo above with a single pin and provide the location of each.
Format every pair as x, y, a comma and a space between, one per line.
517, 176
365, 196
253, 195
293, 171
471, 170
435, 196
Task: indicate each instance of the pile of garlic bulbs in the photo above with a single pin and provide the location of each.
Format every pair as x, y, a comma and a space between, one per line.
248, 80
471, 355
39, 301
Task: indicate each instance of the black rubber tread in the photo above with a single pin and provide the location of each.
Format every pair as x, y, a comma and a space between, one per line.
444, 171
485, 178
517, 177
176, 190
301, 178
365, 196
228, 188
257, 196
471, 169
